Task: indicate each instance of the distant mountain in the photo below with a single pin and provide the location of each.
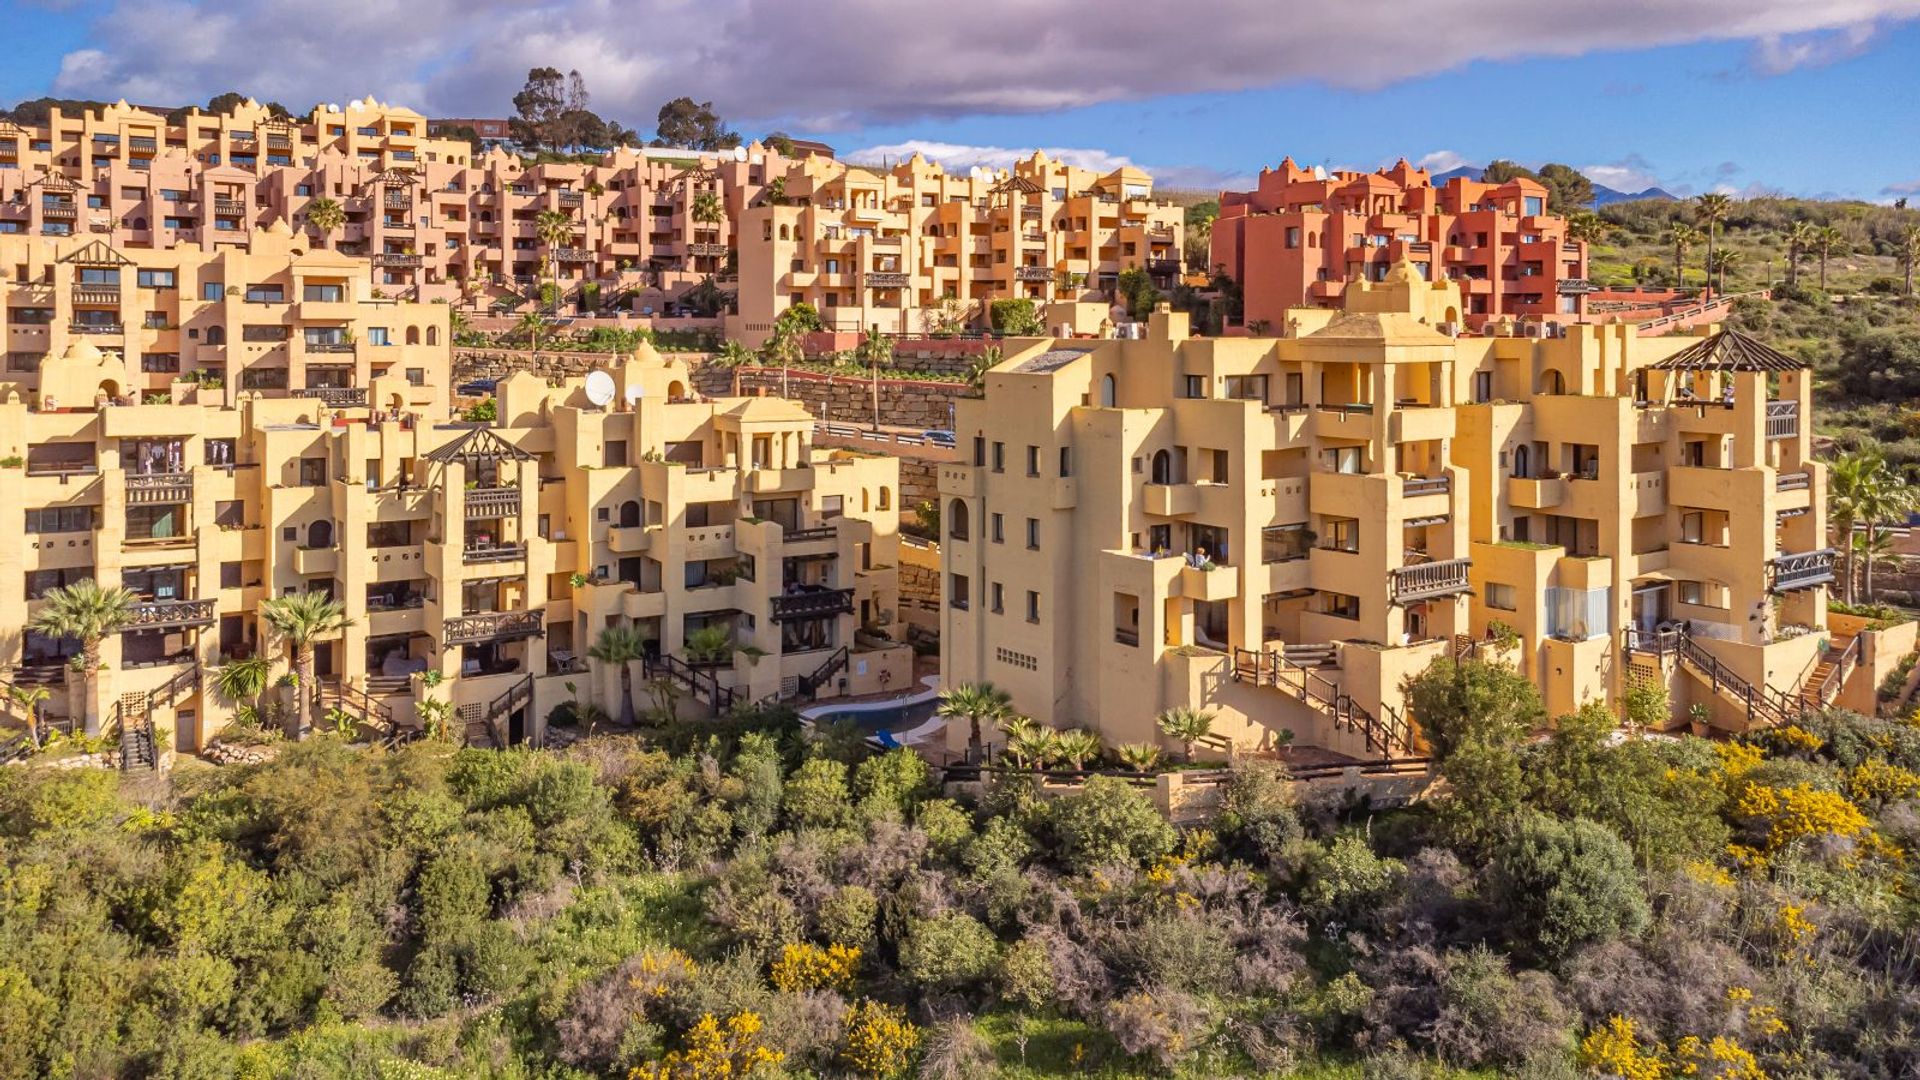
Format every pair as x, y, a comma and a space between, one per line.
1602, 194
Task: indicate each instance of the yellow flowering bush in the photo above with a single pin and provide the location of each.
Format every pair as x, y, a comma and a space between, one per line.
1718, 1059
715, 1051
1614, 1050
1795, 932
660, 970
805, 966
1738, 759
1799, 811
1793, 738
1880, 781
878, 1040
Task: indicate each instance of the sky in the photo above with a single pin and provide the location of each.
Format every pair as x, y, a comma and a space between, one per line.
1743, 96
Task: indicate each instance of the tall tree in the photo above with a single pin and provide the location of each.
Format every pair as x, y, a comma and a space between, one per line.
543, 104
554, 228
325, 216
87, 612
1568, 189
694, 125
1718, 263
303, 619
1825, 239
1799, 243
620, 646
1711, 209
975, 703
1909, 252
1684, 238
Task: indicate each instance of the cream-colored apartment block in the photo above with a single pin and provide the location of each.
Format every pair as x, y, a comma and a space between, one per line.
871, 248
1282, 530
187, 324
493, 555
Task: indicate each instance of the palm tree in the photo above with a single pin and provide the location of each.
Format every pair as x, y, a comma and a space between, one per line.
1140, 757
621, 646
1909, 252
1186, 726
876, 350
325, 216
553, 228
1711, 209
530, 326
782, 348
1885, 497
303, 619
27, 699
1869, 548
1825, 239
708, 209
1037, 748
243, 681
1718, 263
976, 702
1587, 227
1078, 746
88, 612
1799, 242
1847, 480
1684, 238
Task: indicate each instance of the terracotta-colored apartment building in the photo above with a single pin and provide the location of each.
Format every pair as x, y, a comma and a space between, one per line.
1300, 237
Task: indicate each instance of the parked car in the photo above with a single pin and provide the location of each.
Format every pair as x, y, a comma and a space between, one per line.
943, 439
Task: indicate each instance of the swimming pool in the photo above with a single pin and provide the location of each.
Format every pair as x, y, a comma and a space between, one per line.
900, 716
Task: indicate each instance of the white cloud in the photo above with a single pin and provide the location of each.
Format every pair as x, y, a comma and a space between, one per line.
959, 157
833, 63
1443, 161
1631, 173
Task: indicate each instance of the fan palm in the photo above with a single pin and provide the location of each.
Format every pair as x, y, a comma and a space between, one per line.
553, 228
1140, 757
1186, 726
242, 682
621, 646
326, 216
531, 326
975, 702
27, 700
88, 613
1711, 209
1684, 238
1868, 549
708, 209
1885, 497
1718, 263
1079, 746
1799, 242
1909, 252
303, 619
1825, 239
1587, 227
1036, 748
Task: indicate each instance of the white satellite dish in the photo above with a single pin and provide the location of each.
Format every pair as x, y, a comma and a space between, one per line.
599, 388
635, 393
739, 153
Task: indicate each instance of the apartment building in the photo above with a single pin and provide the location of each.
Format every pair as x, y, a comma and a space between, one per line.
493, 555
1302, 236
276, 319
1281, 530
888, 249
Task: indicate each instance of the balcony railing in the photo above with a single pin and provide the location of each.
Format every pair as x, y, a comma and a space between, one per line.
397, 200
1033, 273
338, 397
169, 613
1426, 485
327, 346
492, 626
878, 280
489, 553
572, 255
229, 206
99, 295
142, 142
391, 259
59, 211
96, 328
1789, 573
801, 536
1428, 580
571, 198
704, 248
1783, 419
1793, 481
146, 488
815, 604
492, 502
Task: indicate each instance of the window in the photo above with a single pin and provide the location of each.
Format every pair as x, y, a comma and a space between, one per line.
212, 290
1066, 461
957, 591
1482, 387
229, 575
1283, 543
999, 457
1343, 534
155, 279
615, 455
377, 335
979, 451
1033, 461
996, 529
1033, 534
832, 506
264, 333
1033, 607
323, 293
1344, 459
996, 593
313, 472
1340, 605
60, 519
1293, 236
416, 376
1193, 386
1247, 387
266, 294
1535, 205
1501, 597
160, 362
42, 582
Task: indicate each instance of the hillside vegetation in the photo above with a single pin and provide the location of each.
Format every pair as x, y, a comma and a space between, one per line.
728, 901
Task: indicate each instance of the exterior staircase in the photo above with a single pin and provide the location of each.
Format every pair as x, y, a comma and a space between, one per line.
1389, 735
702, 683
491, 727
1763, 706
1829, 675
360, 705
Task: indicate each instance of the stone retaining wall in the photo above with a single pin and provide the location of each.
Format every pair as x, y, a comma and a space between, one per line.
845, 399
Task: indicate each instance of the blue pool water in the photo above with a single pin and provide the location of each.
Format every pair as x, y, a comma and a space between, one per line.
892, 718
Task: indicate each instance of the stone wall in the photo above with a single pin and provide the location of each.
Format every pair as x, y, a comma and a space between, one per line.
845, 399
919, 482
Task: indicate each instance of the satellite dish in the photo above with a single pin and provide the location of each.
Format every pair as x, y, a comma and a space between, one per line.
635, 393
739, 153
599, 388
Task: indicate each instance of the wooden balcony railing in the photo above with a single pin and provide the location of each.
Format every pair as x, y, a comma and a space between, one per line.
339, 397
1806, 570
1033, 273
817, 604
1783, 419
1794, 481
97, 295
169, 613
394, 260
148, 488
879, 280
492, 502
1429, 580
492, 626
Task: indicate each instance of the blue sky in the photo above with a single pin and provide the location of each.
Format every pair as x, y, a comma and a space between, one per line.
1693, 95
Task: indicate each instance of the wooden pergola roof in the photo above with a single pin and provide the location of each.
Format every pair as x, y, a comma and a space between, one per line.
1730, 350
478, 445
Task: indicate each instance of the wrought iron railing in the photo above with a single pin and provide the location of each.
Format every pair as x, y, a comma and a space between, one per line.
146, 488
492, 626
338, 397
816, 604
164, 613
1805, 570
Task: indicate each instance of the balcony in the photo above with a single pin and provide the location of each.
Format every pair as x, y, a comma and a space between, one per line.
1415, 486
1219, 583
1429, 580
1033, 273
630, 539
97, 295
59, 211
335, 397
703, 248
157, 614
887, 280
492, 553
492, 626
572, 255
1783, 419
1172, 500
397, 200
492, 502
326, 346
397, 261
1791, 573
309, 561
1793, 481
96, 328
1531, 493
807, 536
814, 604
149, 488
229, 207
571, 199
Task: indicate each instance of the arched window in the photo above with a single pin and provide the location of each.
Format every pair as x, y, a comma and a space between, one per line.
1522, 462
433, 335
1162, 467
216, 335
629, 514
139, 223
886, 498
1108, 391
320, 534
957, 520
865, 501
1552, 382
413, 335
676, 390
1313, 240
